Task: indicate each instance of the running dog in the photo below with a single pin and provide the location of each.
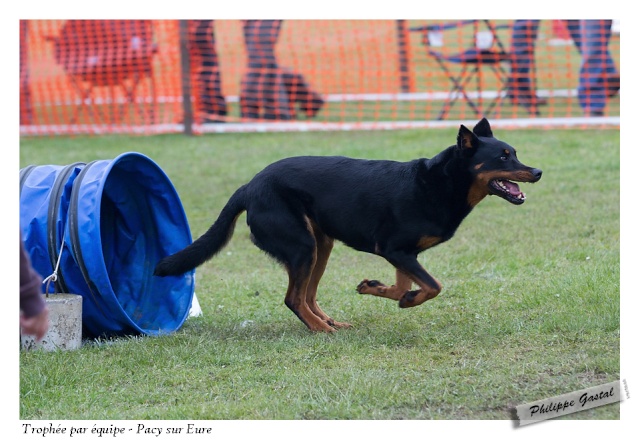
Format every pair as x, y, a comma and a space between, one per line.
298, 206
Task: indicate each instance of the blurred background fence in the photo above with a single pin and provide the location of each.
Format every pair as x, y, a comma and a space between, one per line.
162, 76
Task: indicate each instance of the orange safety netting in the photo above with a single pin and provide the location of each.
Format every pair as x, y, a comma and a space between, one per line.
131, 76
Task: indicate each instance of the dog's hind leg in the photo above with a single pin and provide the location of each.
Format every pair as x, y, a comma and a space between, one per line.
324, 245
296, 300
394, 292
289, 239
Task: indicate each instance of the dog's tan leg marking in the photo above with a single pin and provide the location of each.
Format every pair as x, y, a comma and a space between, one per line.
324, 246
296, 297
296, 300
416, 297
395, 292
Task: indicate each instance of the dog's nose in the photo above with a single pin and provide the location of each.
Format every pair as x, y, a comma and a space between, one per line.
537, 174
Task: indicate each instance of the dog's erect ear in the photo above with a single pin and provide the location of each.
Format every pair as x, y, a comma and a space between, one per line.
483, 128
467, 141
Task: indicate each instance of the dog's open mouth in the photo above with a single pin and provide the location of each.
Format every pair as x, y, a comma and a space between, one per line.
508, 190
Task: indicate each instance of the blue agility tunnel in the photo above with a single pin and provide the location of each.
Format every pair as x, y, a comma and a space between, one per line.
105, 225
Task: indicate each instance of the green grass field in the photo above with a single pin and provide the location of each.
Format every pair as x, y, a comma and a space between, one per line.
530, 307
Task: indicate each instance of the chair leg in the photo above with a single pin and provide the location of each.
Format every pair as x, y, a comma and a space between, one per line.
477, 72
503, 79
459, 89
459, 84
476, 108
146, 111
154, 101
85, 95
116, 115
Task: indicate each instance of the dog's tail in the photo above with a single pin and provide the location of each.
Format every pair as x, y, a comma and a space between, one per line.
209, 244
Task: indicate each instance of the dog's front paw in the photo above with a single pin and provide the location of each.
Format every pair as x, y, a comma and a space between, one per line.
414, 298
370, 287
408, 299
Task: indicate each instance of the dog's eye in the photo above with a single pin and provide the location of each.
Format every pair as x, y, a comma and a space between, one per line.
503, 157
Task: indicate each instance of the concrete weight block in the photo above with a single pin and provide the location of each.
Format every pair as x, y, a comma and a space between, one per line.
65, 324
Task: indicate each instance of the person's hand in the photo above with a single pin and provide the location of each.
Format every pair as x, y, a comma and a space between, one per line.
35, 325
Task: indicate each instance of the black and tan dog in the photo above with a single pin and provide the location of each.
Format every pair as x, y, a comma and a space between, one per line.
297, 207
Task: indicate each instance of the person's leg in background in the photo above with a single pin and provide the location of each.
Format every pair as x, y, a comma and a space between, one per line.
521, 89
211, 104
263, 93
299, 91
599, 79
250, 85
268, 90
26, 106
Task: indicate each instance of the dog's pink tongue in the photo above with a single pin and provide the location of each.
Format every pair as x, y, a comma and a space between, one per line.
513, 188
